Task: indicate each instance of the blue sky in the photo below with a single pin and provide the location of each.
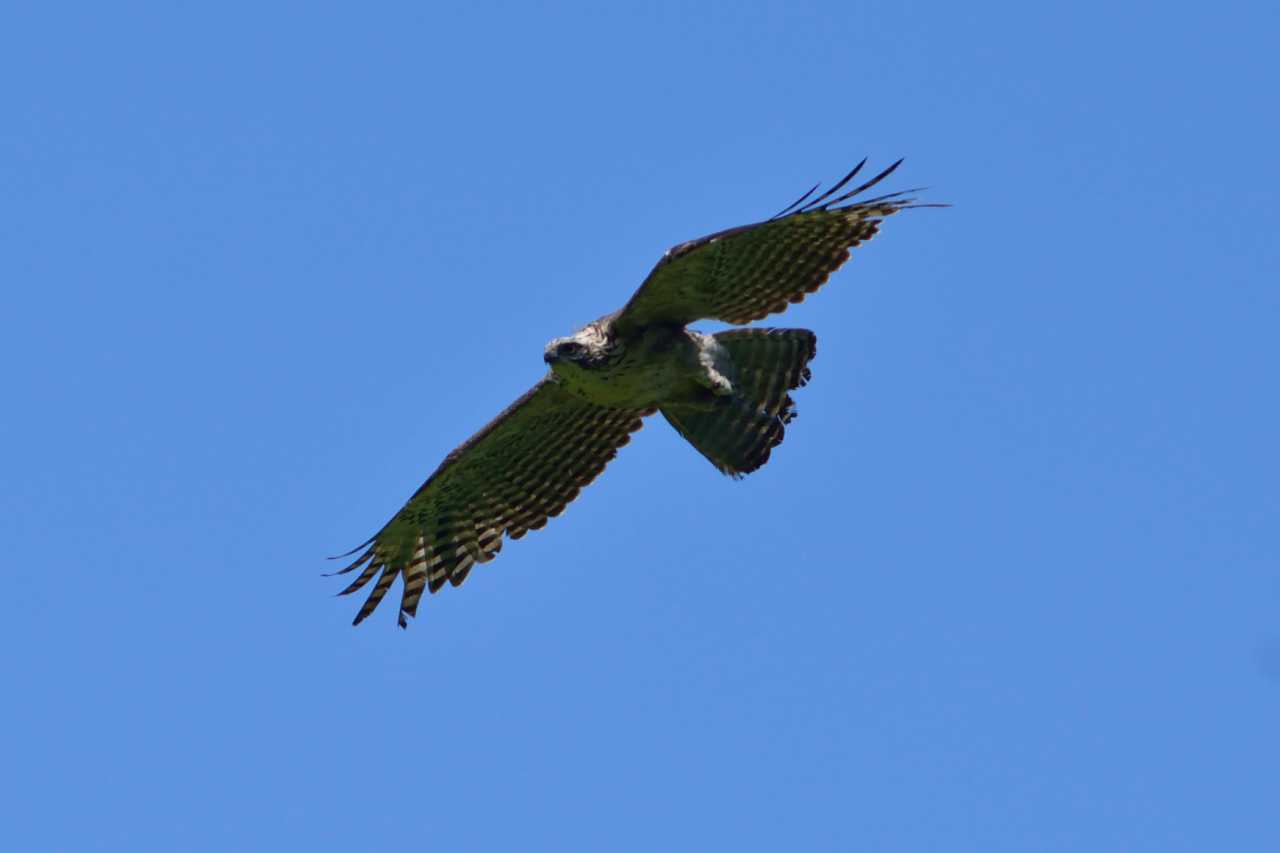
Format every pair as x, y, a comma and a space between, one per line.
1010, 584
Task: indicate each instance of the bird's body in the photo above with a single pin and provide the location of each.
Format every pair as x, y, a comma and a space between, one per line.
727, 393
649, 366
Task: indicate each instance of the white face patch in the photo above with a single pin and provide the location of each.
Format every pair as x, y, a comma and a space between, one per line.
591, 337
584, 347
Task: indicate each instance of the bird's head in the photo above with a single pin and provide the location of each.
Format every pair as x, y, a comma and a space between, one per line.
585, 350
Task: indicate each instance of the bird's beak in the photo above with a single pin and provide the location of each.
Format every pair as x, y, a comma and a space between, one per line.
549, 355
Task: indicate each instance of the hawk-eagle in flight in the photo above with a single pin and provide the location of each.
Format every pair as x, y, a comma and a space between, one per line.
726, 393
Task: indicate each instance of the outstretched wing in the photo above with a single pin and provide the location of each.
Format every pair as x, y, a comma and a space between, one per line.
510, 477
746, 273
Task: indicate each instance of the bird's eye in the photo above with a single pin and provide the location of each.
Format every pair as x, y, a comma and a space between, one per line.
571, 348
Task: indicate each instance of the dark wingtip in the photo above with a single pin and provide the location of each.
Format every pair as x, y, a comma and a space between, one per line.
878, 178
363, 544
817, 202
795, 203
867, 202
359, 561
825, 201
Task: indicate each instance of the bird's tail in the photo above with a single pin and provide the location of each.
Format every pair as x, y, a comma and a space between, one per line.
739, 432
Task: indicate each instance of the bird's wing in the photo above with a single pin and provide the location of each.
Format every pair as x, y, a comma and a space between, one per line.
510, 477
746, 273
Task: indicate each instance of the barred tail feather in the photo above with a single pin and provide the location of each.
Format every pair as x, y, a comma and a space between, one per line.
740, 432
768, 363
736, 436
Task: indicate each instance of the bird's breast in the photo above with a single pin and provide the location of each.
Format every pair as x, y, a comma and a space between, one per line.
657, 366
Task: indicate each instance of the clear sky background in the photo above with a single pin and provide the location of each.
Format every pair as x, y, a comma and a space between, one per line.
1012, 583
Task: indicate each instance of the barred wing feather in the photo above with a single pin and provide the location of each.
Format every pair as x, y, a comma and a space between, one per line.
746, 273
522, 468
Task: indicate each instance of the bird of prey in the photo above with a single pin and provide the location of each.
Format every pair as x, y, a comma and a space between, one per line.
727, 393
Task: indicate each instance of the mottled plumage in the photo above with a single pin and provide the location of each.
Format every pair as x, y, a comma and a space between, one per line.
727, 393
